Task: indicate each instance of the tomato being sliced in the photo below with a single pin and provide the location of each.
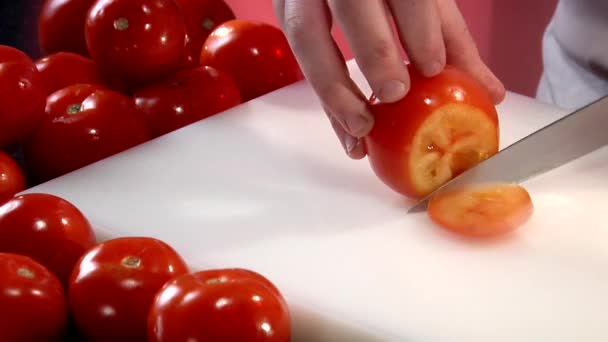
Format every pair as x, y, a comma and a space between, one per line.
444, 125
114, 283
12, 178
481, 210
219, 305
62, 69
32, 302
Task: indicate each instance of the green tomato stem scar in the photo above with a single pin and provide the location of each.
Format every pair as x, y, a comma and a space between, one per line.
25, 273
121, 24
208, 24
75, 108
131, 262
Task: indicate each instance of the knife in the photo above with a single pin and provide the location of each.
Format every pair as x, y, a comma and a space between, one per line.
566, 139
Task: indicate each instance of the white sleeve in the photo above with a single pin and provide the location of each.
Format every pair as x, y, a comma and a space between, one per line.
575, 54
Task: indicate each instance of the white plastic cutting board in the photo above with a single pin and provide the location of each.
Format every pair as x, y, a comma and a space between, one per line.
266, 186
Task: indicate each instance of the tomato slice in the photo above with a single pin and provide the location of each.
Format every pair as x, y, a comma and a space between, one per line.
454, 138
481, 210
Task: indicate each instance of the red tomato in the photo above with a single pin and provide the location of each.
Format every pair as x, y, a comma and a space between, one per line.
12, 179
482, 210
22, 96
62, 69
136, 40
11, 54
187, 97
443, 126
46, 228
83, 124
202, 17
219, 305
32, 302
61, 26
255, 55
114, 284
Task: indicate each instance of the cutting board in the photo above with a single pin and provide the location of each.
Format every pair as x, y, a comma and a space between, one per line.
266, 186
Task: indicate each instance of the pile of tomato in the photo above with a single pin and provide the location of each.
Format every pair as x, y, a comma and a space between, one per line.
58, 283
118, 73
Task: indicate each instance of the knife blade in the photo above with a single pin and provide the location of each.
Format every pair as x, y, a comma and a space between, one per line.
560, 142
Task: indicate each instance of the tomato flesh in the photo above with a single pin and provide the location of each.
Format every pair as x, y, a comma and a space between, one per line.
482, 210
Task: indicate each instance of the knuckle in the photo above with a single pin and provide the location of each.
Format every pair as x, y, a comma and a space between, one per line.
381, 52
296, 27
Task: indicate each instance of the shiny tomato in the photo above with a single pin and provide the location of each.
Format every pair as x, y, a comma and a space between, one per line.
202, 17
136, 40
190, 95
482, 210
219, 305
22, 96
442, 127
114, 284
47, 228
11, 54
83, 124
12, 179
62, 69
61, 26
32, 302
255, 55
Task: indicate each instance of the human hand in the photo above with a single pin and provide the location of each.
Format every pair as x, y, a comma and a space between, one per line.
432, 33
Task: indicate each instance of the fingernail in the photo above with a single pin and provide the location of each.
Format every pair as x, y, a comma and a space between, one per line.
433, 69
350, 143
358, 125
391, 91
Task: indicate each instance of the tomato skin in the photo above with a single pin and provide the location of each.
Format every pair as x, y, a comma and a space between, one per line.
62, 69
255, 55
222, 305
189, 96
11, 54
22, 98
83, 124
114, 284
61, 26
12, 178
202, 17
48, 229
32, 302
389, 144
136, 40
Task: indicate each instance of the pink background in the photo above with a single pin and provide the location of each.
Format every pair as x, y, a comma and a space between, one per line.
508, 34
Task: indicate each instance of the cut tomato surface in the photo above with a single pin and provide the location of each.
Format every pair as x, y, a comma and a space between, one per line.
445, 125
482, 210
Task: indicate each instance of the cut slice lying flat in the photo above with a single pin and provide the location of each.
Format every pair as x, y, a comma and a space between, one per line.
482, 210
